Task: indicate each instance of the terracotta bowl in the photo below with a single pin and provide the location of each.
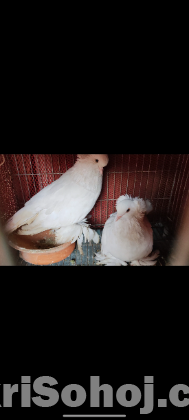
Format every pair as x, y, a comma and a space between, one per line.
40, 249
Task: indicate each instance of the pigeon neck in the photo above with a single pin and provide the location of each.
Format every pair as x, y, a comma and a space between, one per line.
87, 176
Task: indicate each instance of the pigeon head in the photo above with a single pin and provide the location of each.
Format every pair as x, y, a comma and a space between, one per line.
98, 161
124, 207
129, 207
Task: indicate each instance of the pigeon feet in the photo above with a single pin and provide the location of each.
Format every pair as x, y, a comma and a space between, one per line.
151, 260
87, 233
108, 260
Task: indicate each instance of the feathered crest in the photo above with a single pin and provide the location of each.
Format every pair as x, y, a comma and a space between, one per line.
142, 206
82, 156
124, 197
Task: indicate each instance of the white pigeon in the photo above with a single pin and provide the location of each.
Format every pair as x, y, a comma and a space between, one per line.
127, 236
64, 204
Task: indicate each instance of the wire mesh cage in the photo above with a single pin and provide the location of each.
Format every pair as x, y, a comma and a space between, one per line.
161, 178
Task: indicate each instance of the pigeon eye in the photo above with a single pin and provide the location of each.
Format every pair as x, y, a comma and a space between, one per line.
128, 210
97, 160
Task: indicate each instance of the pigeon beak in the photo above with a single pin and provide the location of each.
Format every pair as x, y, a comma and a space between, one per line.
118, 217
101, 170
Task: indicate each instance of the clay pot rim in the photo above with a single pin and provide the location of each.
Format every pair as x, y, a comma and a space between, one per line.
40, 251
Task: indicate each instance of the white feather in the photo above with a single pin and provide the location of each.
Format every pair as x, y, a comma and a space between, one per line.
77, 232
127, 235
109, 260
64, 204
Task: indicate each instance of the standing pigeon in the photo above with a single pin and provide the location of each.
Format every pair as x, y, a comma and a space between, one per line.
64, 204
127, 235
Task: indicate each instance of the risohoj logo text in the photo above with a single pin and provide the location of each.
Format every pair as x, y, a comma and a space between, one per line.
42, 392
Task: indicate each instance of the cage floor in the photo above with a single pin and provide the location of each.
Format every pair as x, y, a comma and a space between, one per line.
162, 241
